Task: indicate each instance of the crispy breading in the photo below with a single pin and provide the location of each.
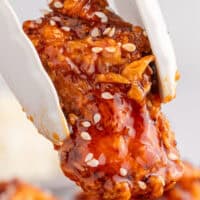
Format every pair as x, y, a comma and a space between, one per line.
103, 70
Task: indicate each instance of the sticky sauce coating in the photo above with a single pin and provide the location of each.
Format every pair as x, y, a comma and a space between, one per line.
103, 69
188, 188
17, 190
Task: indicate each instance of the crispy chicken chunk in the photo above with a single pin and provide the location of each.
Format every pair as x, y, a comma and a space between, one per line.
121, 145
16, 190
188, 188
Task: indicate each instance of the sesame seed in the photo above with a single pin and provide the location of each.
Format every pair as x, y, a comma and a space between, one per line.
145, 33
39, 21
86, 136
45, 11
93, 163
129, 47
107, 31
56, 18
95, 32
86, 124
71, 63
65, 28
58, 4
110, 49
172, 156
97, 49
119, 44
97, 118
52, 23
162, 180
32, 25
102, 16
112, 32
107, 95
142, 185
89, 157
123, 172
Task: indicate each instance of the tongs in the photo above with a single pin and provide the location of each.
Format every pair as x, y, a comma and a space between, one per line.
21, 67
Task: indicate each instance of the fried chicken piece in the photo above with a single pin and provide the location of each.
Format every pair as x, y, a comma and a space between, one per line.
188, 188
103, 69
16, 190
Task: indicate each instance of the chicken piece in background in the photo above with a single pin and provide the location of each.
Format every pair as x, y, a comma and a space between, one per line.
188, 188
16, 190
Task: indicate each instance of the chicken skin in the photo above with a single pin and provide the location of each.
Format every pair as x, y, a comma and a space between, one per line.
103, 69
16, 190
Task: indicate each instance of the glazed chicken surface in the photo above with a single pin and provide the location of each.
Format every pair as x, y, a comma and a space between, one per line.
17, 190
188, 188
103, 69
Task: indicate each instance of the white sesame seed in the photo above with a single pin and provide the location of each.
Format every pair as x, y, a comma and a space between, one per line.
39, 21
172, 156
93, 163
162, 180
107, 95
45, 11
86, 136
95, 32
107, 31
65, 28
142, 185
145, 33
119, 44
58, 4
112, 32
102, 16
97, 49
52, 22
32, 25
130, 47
97, 118
110, 49
71, 63
89, 157
86, 124
123, 171
56, 18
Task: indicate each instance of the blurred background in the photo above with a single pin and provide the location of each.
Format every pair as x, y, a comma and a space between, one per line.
28, 151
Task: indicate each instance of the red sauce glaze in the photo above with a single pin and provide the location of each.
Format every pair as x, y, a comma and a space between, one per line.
188, 188
17, 190
121, 145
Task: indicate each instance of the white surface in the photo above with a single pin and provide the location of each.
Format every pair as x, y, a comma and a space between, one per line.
182, 18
